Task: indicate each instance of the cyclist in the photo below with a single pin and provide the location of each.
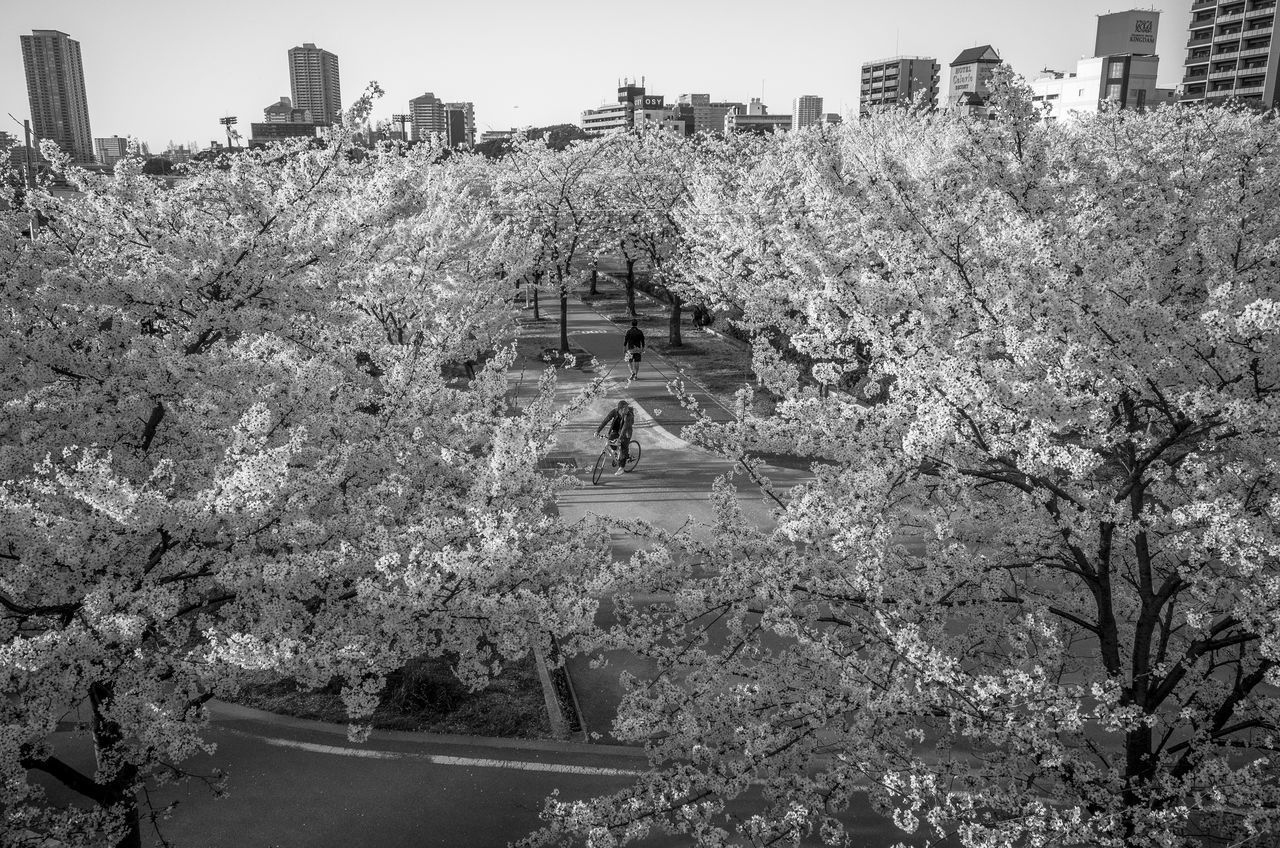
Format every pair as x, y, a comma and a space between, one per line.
619, 421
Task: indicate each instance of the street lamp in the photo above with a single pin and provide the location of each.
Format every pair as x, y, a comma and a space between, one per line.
401, 119
227, 122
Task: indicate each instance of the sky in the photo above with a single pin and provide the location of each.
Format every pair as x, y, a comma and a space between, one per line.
164, 71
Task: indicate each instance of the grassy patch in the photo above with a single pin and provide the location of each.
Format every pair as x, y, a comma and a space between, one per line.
424, 696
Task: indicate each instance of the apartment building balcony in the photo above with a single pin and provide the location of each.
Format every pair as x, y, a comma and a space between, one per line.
1259, 32
1231, 74
1255, 51
1203, 4
1200, 38
1246, 90
1261, 11
1226, 36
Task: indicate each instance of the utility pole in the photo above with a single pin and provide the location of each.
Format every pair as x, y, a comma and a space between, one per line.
31, 178
227, 122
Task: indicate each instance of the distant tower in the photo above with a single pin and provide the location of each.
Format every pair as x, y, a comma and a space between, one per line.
315, 84
429, 117
806, 111
55, 87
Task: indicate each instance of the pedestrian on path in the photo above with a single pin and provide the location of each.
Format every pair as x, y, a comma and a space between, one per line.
620, 420
633, 347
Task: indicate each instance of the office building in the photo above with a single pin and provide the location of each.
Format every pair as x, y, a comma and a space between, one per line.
315, 84
178, 154
1232, 53
111, 150
702, 114
898, 81
1122, 72
756, 119
970, 83
651, 110
611, 117
260, 135
806, 111
429, 117
282, 120
284, 112
55, 89
462, 124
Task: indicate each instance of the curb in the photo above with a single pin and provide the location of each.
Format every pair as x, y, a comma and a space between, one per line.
235, 712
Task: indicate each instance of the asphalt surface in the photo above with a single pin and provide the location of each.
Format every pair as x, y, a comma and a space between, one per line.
669, 487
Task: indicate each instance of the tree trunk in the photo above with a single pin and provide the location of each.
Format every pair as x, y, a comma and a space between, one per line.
593, 281
536, 317
631, 287
1139, 770
564, 316
674, 322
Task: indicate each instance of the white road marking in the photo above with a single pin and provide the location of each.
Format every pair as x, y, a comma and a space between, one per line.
442, 760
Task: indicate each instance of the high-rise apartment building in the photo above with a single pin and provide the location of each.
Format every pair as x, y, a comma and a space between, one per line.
429, 117
55, 88
1232, 52
899, 80
970, 84
315, 83
806, 111
462, 124
111, 150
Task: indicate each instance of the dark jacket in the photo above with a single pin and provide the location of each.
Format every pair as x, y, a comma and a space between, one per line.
633, 338
618, 423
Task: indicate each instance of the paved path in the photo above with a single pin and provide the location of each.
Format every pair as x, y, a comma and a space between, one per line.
670, 485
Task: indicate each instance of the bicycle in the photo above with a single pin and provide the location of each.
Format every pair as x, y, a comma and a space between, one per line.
610, 451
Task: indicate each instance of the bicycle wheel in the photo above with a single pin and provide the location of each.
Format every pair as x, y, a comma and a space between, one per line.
633, 455
595, 474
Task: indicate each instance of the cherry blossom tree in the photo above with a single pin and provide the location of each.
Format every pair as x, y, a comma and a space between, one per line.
650, 172
1031, 595
230, 442
553, 197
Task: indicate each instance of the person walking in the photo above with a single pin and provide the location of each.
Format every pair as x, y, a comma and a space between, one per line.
633, 347
620, 420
